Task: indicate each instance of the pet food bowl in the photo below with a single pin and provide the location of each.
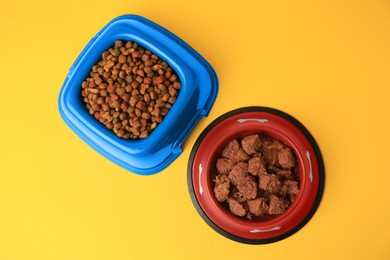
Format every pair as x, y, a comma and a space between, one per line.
238, 124
197, 95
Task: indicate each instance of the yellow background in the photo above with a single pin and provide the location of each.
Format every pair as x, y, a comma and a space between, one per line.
327, 63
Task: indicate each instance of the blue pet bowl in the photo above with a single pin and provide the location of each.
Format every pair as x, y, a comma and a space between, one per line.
196, 97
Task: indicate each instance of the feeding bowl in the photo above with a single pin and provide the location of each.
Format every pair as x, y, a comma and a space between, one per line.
238, 124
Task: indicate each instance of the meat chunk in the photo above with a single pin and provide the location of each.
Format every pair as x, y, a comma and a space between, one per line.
237, 195
291, 187
256, 166
248, 188
240, 156
221, 179
222, 188
222, 191
238, 173
224, 166
236, 208
270, 156
251, 144
286, 158
276, 205
269, 183
269, 143
285, 173
230, 149
258, 206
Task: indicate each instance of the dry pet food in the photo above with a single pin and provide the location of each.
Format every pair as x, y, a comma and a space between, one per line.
130, 90
256, 176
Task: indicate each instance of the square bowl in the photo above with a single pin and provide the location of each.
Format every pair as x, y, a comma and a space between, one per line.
195, 100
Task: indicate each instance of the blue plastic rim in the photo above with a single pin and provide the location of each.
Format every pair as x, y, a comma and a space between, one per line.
195, 100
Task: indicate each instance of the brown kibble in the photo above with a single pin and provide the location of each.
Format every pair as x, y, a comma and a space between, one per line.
145, 115
105, 54
93, 90
143, 88
160, 103
156, 111
147, 98
153, 95
139, 79
159, 79
124, 106
173, 78
165, 97
122, 58
133, 100
168, 74
144, 134
110, 88
129, 90
164, 111
141, 105
145, 57
172, 91
114, 52
103, 92
156, 67
147, 81
84, 84
141, 73
109, 65
138, 112
136, 54
134, 84
164, 65
177, 85
134, 92
114, 97
120, 91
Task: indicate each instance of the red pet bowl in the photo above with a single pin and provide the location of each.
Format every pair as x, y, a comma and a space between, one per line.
238, 124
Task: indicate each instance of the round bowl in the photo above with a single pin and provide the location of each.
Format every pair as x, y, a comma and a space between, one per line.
238, 124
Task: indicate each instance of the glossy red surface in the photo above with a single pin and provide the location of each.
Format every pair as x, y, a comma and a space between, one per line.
238, 126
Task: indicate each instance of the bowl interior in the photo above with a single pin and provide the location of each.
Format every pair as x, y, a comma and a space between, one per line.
216, 152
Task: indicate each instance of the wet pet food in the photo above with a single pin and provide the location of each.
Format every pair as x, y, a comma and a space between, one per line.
256, 176
130, 90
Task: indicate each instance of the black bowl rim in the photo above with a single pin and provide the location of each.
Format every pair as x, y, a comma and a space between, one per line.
317, 152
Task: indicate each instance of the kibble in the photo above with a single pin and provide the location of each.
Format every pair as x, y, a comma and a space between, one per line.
130, 90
